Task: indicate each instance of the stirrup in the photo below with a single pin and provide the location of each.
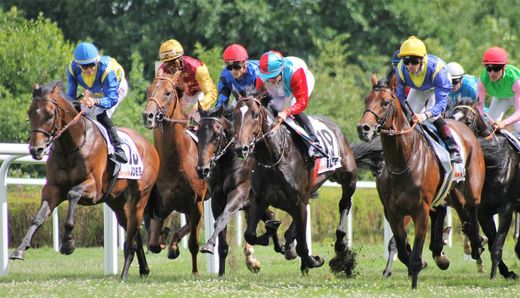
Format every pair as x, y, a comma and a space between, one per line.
455, 156
120, 155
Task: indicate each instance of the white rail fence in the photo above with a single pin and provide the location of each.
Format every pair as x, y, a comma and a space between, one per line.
18, 153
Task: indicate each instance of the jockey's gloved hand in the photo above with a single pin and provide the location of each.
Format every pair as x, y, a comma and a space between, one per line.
419, 118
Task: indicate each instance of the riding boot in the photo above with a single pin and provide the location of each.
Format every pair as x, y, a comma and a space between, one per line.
119, 153
314, 148
447, 137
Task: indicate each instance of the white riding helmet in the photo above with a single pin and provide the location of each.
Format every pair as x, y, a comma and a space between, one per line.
456, 71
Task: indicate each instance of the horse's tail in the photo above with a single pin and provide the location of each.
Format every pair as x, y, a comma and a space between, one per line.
154, 205
369, 156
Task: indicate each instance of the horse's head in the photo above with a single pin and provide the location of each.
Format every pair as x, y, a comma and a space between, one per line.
214, 134
163, 95
382, 109
46, 117
248, 120
468, 113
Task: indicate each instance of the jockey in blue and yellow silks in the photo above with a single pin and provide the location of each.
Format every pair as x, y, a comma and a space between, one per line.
430, 84
104, 84
239, 76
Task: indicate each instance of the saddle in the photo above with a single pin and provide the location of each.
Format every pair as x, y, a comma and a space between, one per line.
451, 172
513, 138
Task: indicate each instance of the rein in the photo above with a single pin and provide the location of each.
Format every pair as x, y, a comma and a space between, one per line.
221, 136
52, 136
273, 130
390, 112
172, 98
473, 124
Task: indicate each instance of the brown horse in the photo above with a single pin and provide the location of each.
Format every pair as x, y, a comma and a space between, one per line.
412, 175
284, 176
79, 171
178, 184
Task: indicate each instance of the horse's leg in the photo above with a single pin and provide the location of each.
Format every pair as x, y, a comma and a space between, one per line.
256, 210
177, 235
271, 225
50, 199
196, 214
421, 227
307, 261
154, 244
252, 264
344, 207
223, 209
392, 249
505, 219
67, 243
290, 239
436, 242
223, 249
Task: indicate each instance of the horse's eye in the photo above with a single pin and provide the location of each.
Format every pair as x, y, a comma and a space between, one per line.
255, 115
49, 117
167, 93
385, 103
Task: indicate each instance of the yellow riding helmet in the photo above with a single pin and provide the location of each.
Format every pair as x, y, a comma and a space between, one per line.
413, 46
170, 49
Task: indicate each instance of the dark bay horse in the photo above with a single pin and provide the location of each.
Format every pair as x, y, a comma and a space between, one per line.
229, 181
412, 176
178, 183
78, 171
501, 192
283, 176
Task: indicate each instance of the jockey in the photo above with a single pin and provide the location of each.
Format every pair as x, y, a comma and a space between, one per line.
464, 87
195, 75
288, 81
502, 82
238, 77
104, 84
430, 84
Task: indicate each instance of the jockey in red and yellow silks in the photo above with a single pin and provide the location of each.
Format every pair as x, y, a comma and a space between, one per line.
195, 75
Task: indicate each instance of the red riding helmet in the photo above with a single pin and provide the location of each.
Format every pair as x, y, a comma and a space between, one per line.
235, 53
495, 55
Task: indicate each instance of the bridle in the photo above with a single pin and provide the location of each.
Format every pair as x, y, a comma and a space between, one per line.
382, 121
256, 139
473, 122
173, 98
221, 137
56, 130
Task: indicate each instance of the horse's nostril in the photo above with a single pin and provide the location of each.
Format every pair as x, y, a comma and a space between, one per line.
366, 128
150, 116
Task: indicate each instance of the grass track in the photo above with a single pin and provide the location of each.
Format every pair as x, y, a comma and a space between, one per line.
46, 273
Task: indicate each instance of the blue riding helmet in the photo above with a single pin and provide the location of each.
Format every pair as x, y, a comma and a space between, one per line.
86, 53
395, 58
271, 64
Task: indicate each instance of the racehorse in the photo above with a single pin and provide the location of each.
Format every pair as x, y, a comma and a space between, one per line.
283, 176
178, 183
229, 181
501, 192
78, 171
412, 176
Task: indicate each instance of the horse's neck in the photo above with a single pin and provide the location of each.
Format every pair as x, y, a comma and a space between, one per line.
174, 141
398, 149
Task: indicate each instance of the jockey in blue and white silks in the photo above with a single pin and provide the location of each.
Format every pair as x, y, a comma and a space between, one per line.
430, 84
245, 85
104, 84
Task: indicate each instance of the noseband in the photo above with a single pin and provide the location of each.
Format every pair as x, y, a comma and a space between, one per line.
172, 98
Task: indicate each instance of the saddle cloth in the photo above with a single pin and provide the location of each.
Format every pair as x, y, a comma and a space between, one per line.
455, 172
133, 169
328, 142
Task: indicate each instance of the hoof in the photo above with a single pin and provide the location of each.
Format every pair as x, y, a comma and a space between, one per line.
67, 248
272, 225
316, 261
173, 254
290, 253
387, 273
207, 248
154, 249
253, 266
279, 249
144, 272
17, 255
442, 262
511, 275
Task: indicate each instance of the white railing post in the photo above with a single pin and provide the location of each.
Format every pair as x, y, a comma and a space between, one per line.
4, 246
387, 236
121, 236
209, 221
55, 230
182, 219
110, 240
238, 229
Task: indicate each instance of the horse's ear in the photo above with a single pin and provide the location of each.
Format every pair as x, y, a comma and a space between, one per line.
160, 73
202, 113
57, 87
393, 82
37, 90
373, 79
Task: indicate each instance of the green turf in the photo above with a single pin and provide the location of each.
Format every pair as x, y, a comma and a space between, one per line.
46, 273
